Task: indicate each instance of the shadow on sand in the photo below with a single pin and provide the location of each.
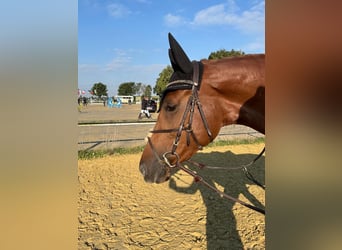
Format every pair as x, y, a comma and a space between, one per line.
221, 227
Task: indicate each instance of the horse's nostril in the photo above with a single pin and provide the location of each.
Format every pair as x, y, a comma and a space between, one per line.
142, 169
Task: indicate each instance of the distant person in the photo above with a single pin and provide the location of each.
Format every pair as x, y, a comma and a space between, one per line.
144, 110
110, 102
118, 102
84, 101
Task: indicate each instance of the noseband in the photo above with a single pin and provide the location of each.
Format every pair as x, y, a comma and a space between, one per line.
193, 101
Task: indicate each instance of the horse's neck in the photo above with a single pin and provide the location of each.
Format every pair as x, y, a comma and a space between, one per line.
243, 93
252, 112
249, 112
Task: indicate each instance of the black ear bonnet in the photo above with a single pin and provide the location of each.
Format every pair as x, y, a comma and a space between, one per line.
182, 69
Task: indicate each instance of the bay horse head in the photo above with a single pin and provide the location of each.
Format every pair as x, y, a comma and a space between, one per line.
202, 97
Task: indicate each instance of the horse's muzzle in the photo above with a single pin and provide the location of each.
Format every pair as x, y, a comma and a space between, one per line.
154, 173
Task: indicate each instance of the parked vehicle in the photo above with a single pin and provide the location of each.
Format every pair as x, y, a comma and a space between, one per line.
126, 99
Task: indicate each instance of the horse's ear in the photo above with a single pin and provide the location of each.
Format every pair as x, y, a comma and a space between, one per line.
178, 58
173, 62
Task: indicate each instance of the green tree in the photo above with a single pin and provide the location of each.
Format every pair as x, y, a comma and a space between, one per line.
99, 89
138, 88
148, 90
224, 53
127, 88
163, 80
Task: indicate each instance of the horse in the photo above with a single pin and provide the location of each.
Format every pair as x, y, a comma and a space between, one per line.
200, 98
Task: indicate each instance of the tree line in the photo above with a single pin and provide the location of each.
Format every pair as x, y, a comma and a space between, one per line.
138, 89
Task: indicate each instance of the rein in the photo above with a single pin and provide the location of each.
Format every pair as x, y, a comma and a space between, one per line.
199, 179
193, 101
244, 168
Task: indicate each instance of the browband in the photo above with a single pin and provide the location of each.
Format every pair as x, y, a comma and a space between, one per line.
184, 84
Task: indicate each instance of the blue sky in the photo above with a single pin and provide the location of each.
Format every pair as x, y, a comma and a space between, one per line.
123, 41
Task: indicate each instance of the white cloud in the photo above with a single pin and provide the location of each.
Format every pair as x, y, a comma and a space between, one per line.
118, 10
173, 20
88, 67
213, 15
154, 68
251, 20
120, 60
124, 62
144, 1
117, 63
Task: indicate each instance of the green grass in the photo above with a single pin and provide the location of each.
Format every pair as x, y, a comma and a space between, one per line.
93, 154
237, 142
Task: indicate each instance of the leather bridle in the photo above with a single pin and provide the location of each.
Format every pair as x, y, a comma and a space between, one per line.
193, 101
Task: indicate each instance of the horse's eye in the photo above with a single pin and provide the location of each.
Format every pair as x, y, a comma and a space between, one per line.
170, 107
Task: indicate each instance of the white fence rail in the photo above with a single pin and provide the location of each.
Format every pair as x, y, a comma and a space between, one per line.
115, 135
